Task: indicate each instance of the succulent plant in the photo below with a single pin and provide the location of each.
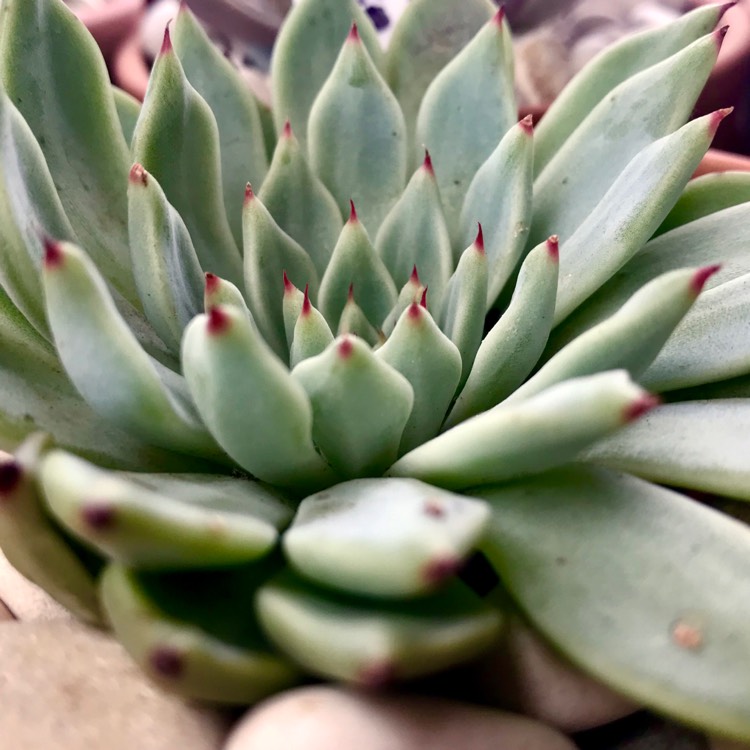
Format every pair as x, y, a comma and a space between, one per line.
277, 432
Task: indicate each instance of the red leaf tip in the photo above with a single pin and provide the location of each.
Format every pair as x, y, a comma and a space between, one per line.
212, 283
440, 569
353, 34
138, 175
249, 193
553, 247
10, 476
306, 304
352, 212
350, 293
346, 347
377, 675
717, 117
287, 131
166, 45
479, 241
427, 164
53, 253
167, 661
702, 275
415, 311
414, 278
641, 406
724, 8
288, 286
719, 35
499, 17
527, 124
423, 301
98, 516
218, 321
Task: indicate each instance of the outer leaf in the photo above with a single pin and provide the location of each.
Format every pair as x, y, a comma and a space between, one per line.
162, 521
302, 61
711, 343
177, 140
270, 256
188, 634
300, 203
106, 363
167, 271
53, 72
614, 65
548, 430
31, 542
383, 537
510, 350
644, 589
360, 406
499, 198
596, 153
426, 37
427, 358
459, 141
128, 111
373, 644
415, 233
227, 364
241, 145
355, 262
630, 212
698, 444
357, 136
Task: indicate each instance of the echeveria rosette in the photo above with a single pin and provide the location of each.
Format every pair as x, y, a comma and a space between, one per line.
285, 414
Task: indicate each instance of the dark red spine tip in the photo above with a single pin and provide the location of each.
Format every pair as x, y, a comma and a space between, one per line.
53, 253
138, 175
423, 301
553, 247
166, 45
212, 283
724, 8
479, 241
527, 124
167, 661
440, 570
10, 476
98, 516
288, 286
427, 163
499, 17
249, 194
346, 347
183, 6
306, 304
352, 212
414, 278
377, 675
641, 406
350, 293
717, 118
702, 275
218, 321
415, 311
353, 34
287, 131
719, 35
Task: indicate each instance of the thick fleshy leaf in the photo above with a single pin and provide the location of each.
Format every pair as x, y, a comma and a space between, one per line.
712, 342
354, 321
167, 271
630, 339
415, 233
291, 307
52, 70
700, 445
513, 345
411, 292
383, 537
547, 430
162, 521
643, 588
462, 313
188, 632
458, 132
270, 254
360, 406
499, 198
300, 203
241, 145
305, 52
311, 335
227, 364
615, 64
218, 291
589, 162
630, 212
32, 543
355, 262
357, 136
414, 58
430, 361
107, 365
707, 195
722, 237
374, 643
128, 111
177, 140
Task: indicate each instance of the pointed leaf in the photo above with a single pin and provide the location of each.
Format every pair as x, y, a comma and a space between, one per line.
177, 141
644, 589
355, 322
360, 406
427, 358
300, 203
374, 643
548, 430
511, 349
227, 364
413, 291
188, 632
291, 308
218, 291
311, 335
460, 139
241, 146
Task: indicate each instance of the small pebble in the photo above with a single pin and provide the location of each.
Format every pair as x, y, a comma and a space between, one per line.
323, 718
